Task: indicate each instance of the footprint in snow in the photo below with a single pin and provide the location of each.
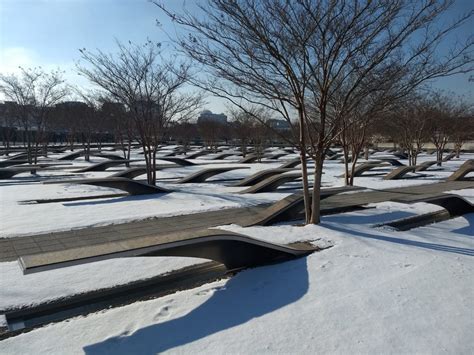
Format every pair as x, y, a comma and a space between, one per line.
162, 313
326, 265
207, 291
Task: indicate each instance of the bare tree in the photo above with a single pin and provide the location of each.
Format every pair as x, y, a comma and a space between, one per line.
66, 117
443, 114
356, 125
184, 132
35, 93
211, 132
260, 138
89, 119
119, 122
242, 125
463, 130
8, 130
462, 123
352, 138
251, 128
149, 88
408, 126
316, 60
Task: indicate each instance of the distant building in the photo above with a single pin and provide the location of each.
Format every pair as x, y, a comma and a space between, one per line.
71, 104
9, 115
208, 116
6, 116
109, 106
278, 124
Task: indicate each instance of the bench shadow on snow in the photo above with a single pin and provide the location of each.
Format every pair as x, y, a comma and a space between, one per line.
104, 200
418, 244
469, 229
375, 217
164, 197
248, 295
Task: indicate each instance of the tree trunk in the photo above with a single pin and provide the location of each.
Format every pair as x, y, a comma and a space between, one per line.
147, 156
85, 145
316, 198
45, 148
153, 167
439, 155
88, 148
457, 148
35, 156
304, 168
353, 167
347, 175
127, 156
306, 195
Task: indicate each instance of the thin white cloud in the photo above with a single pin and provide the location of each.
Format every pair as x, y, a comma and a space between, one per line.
14, 57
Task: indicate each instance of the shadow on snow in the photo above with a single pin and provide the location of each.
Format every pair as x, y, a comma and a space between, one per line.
250, 294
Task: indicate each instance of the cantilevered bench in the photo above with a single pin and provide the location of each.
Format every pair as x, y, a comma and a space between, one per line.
364, 167
336, 156
251, 158
453, 206
391, 161
399, 172
132, 173
6, 173
277, 156
20, 156
425, 165
222, 156
104, 165
198, 154
131, 186
271, 183
290, 164
291, 207
235, 251
449, 157
178, 161
72, 156
204, 174
400, 155
463, 170
95, 153
7, 163
260, 176
108, 156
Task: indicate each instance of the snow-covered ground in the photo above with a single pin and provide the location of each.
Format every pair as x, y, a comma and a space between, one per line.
25, 219
375, 290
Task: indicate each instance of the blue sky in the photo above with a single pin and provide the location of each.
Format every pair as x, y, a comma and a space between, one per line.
48, 33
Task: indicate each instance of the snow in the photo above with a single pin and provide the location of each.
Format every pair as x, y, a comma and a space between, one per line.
374, 290
41, 218
188, 198
18, 290
468, 194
